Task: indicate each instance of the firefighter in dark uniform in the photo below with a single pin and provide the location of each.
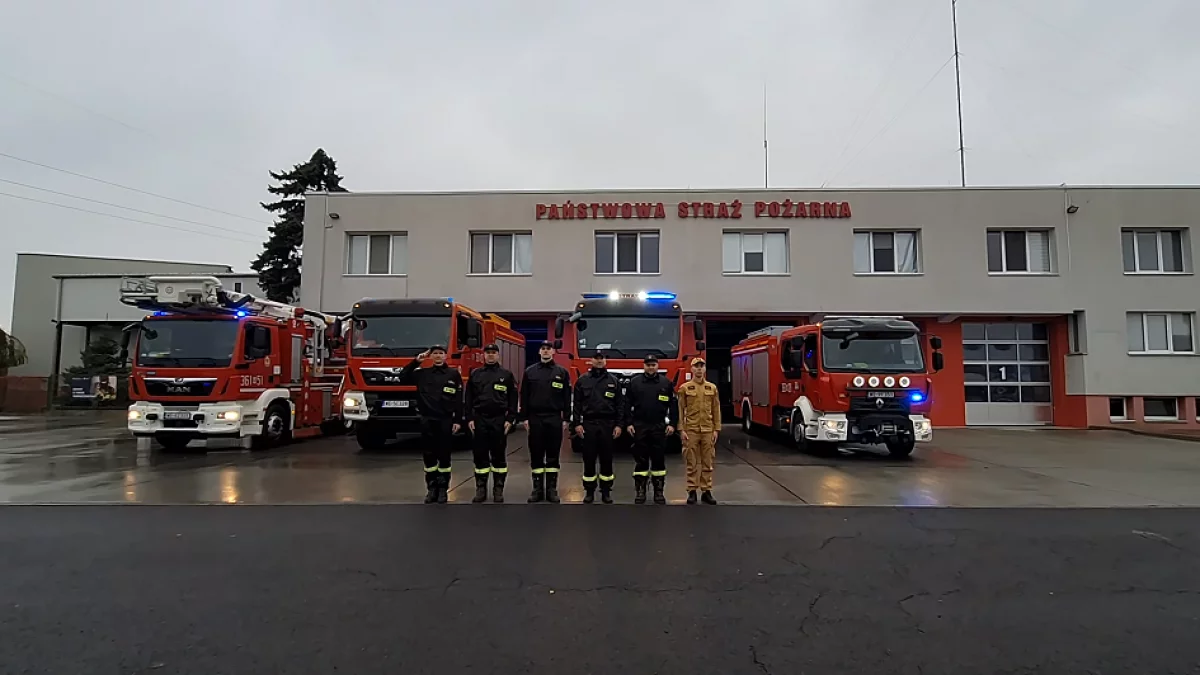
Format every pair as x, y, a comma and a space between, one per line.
597, 416
491, 411
545, 409
439, 403
652, 414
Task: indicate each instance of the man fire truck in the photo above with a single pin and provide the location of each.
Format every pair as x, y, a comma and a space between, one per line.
214, 364
384, 335
856, 379
628, 327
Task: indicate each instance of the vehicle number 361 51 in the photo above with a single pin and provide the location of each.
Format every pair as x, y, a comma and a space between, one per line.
252, 380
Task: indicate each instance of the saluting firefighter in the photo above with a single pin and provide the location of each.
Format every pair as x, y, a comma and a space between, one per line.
545, 411
699, 423
439, 404
652, 414
491, 411
596, 415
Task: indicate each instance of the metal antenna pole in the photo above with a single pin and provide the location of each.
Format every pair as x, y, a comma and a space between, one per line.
766, 160
962, 150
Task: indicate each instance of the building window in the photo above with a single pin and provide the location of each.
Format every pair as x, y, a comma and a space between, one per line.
1160, 333
754, 253
881, 252
501, 253
237, 287
1076, 333
1118, 410
627, 253
1152, 251
1019, 252
1160, 409
377, 254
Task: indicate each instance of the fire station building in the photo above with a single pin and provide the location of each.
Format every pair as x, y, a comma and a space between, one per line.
1065, 306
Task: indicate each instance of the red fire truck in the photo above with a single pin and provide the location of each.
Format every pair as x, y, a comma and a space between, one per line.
628, 327
384, 335
856, 379
214, 364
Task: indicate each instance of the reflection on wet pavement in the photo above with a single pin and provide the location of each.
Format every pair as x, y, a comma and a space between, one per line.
92, 459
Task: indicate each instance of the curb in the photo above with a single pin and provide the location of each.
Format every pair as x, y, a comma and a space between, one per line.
1153, 434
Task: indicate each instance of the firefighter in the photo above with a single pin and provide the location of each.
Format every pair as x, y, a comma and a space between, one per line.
439, 403
491, 410
652, 414
699, 422
596, 414
545, 409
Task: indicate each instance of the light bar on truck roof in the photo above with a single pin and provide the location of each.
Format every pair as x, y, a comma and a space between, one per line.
640, 295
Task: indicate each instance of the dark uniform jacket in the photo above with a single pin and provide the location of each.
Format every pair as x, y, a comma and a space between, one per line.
439, 390
650, 401
598, 397
545, 391
492, 392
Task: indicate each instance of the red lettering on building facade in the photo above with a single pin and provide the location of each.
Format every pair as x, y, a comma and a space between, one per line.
710, 209
596, 211
790, 209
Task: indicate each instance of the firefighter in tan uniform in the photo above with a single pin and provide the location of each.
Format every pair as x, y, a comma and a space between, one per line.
699, 423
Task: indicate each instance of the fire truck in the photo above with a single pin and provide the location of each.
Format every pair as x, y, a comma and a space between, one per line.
847, 379
628, 327
384, 335
209, 363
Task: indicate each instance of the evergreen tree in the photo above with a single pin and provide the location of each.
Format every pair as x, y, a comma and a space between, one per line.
278, 265
12, 352
101, 357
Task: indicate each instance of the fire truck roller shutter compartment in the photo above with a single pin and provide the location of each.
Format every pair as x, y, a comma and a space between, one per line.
1006, 369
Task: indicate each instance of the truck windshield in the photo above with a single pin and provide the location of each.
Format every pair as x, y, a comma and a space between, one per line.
631, 337
866, 353
399, 335
187, 343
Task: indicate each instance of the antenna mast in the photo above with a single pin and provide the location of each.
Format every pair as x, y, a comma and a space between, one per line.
962, 151
766, 160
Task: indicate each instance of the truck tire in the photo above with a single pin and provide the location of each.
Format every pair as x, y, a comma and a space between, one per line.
747, 422
901, 447
369, 437
276, 427
799, 440
173, 442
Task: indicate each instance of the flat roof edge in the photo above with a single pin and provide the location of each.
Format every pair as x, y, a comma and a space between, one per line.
591, 191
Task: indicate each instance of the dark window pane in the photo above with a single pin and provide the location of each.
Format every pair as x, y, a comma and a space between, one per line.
976, 373
974, 331
1172, 243
1035, 373
381, 247
479, 253
1035, 352
1005, 394
1024, 331
604, 253
1116, 408
995, 252
649, 254
1159, 407
502, 253
1040, 332
627, 252
1147, 251
883, 251
1035, 394
1127, 255
1002, 331
974, 352
976, 394
1003, 373
754, 263
1014, 252
1181, 332
1002, 352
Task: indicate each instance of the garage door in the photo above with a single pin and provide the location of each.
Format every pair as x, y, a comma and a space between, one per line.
1007, 373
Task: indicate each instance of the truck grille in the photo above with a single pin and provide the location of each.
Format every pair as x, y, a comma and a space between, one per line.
899, 405
380, 378
194, 388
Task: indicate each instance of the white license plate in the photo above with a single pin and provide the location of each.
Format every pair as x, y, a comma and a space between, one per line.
887, 428
395, 404
881, 394
177, 415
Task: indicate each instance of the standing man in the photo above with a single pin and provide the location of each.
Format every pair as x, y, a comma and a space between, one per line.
439, 403
596, 415
545, 410
491, 412
652, 414
699, 423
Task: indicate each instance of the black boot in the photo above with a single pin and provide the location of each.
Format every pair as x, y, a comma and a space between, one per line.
589, 493
552, 487
539, 489
639, 489
606, 492
498, 488
480, 488
659, 483
431, 490
691, 497
443, 489
707, 498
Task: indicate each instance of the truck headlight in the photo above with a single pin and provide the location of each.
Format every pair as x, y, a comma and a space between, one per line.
229, 415
135, 415
836, 426
353, 401
922, 426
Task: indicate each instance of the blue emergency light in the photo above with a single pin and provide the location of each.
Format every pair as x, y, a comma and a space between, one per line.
643, 295
241, 314
916, 397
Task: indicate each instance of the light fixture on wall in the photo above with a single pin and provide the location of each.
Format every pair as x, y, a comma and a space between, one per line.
1072, 209
334, 215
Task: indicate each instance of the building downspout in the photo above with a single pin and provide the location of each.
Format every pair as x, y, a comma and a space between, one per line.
52, 382
1067, 223
321, 274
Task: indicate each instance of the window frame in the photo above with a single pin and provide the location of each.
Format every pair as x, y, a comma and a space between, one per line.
1158, 238
919, 261
1170, 350
741, 234
391, 255
1124, 417
1052, 263
1160, 418
491, 235
616, 257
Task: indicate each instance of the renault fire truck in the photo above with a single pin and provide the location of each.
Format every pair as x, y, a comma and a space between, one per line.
209, 364
847, 379
628, 327
384, 335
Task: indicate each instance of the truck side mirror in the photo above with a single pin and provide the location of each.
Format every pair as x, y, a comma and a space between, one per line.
474, 334
935, 342
582, 324
698, 331
559, 327
700, 345
558, 344
939, 361
125, 335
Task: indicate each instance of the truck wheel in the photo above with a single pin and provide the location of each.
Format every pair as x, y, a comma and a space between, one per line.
369, 437
173, 442
276, 428
901, 447
799, 440
747, 423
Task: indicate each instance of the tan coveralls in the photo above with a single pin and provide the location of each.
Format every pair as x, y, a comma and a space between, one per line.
699, 417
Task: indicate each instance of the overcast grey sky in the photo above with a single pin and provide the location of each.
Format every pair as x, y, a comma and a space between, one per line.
197, 99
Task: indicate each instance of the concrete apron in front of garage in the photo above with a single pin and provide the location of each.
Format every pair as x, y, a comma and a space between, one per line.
95, 462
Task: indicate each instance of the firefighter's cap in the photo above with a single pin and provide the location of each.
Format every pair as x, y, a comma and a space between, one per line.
697, 361
437, 348
599, 354
650, 358
491, 347
545, 344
